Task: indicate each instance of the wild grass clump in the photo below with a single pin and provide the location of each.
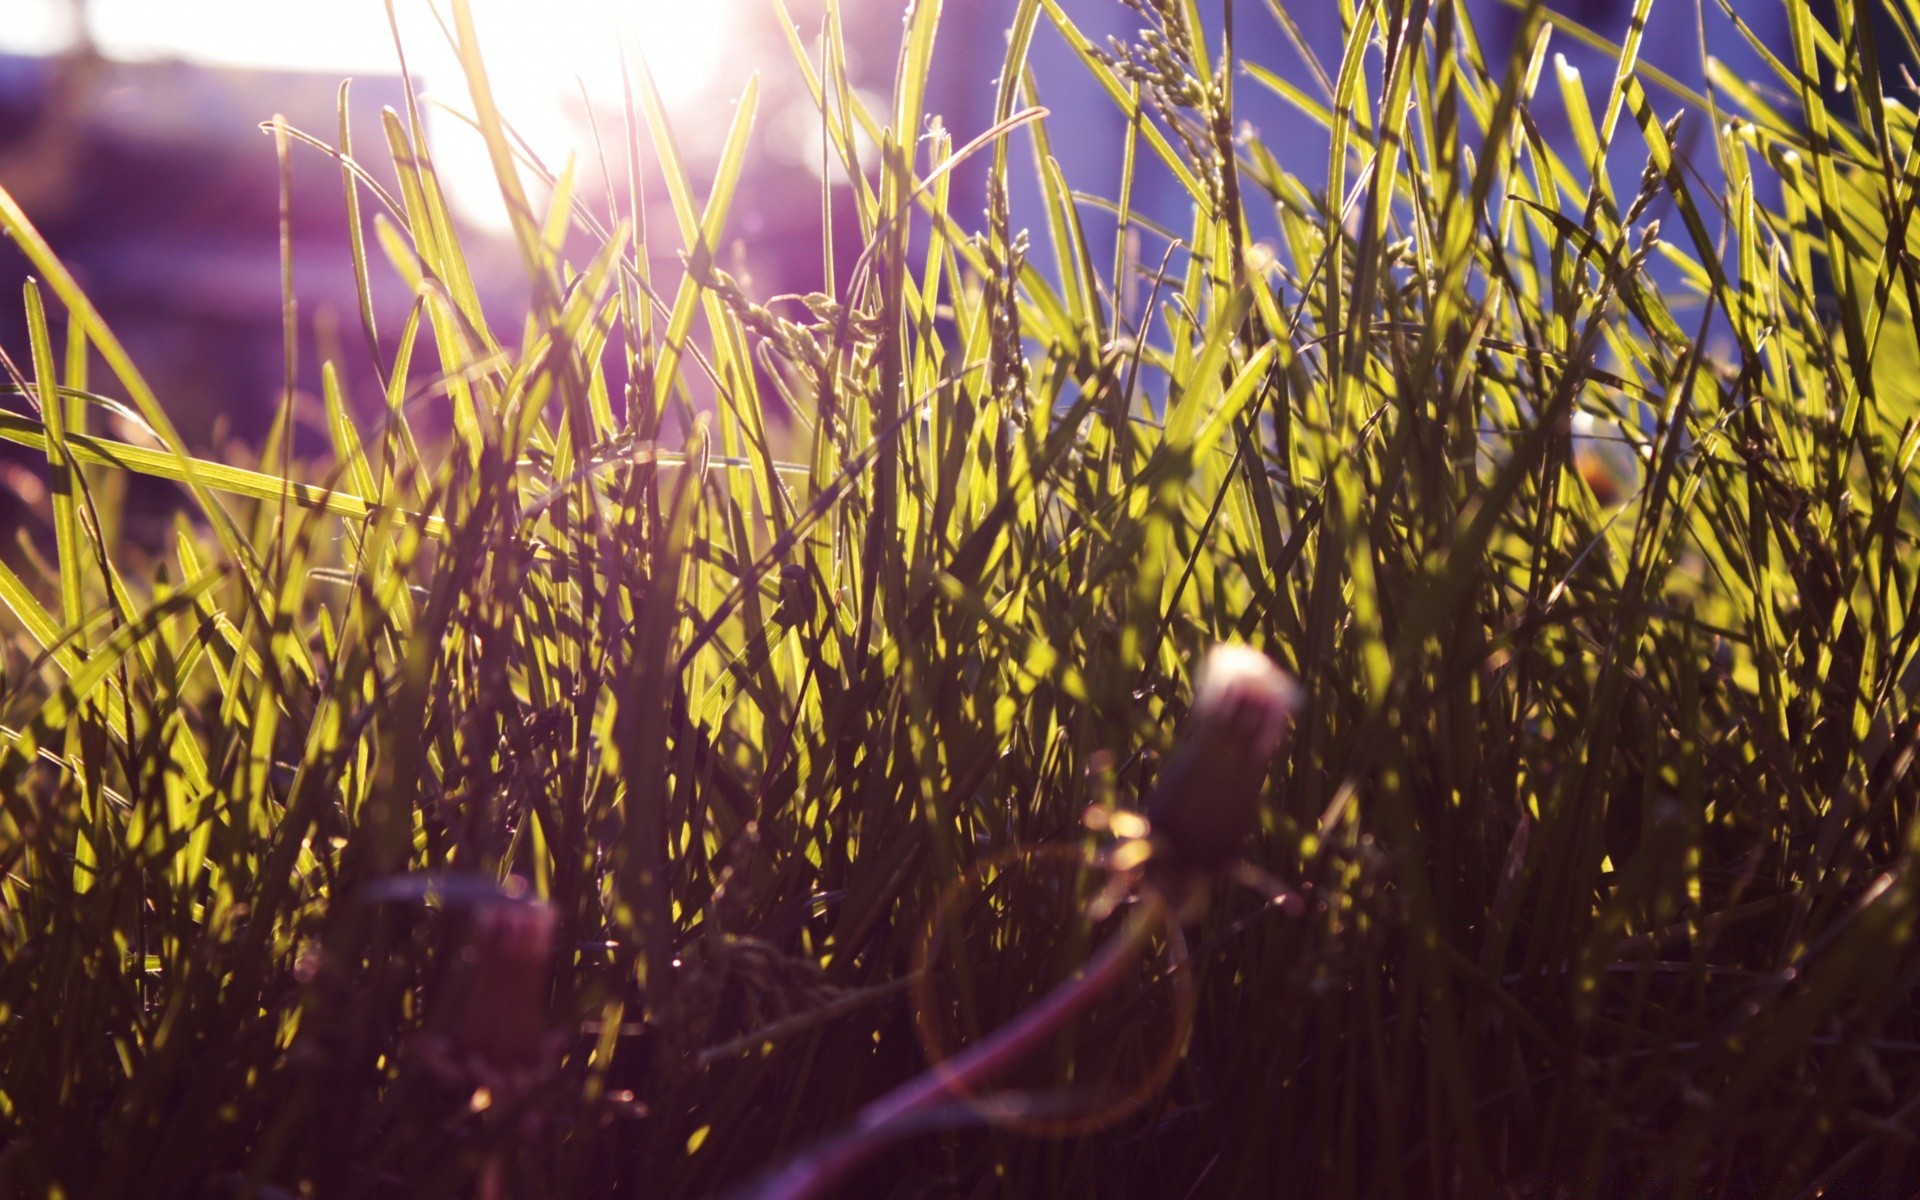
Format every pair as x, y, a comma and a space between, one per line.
1588, 866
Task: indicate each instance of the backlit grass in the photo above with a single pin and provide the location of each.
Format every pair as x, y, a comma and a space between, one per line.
1601, 593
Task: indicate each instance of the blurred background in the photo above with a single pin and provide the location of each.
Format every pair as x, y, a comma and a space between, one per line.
130, 133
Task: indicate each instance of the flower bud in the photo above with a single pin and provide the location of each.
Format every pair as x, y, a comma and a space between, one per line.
1206, 799
502, 1021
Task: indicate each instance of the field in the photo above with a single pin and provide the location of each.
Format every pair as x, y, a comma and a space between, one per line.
663, 722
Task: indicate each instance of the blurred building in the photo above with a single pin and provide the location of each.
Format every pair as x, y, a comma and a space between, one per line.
156, 186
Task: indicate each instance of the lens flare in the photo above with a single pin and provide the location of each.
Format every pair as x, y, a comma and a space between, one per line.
548, 63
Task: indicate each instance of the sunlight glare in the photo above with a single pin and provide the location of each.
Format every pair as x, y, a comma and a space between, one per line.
540, 58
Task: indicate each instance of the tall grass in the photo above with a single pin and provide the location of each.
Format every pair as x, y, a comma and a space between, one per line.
1599, 820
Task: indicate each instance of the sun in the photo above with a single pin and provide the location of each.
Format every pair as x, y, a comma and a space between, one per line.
548, 63
541, 57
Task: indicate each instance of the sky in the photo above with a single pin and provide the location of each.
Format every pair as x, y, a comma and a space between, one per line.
540, 55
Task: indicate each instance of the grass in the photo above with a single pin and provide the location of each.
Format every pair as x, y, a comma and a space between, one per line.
1598, 821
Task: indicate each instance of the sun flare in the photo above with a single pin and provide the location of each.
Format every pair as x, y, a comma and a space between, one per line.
541, 58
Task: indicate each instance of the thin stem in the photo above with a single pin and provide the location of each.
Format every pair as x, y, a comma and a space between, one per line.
893, 1114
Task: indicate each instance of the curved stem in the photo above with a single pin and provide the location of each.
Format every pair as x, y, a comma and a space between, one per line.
880, 1122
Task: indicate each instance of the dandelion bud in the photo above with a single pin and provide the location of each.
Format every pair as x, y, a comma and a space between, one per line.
502, 1021
1207, 797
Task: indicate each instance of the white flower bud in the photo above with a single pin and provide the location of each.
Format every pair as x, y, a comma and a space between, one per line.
1207, 798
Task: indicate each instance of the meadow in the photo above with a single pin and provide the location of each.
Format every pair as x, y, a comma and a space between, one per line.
663, 722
